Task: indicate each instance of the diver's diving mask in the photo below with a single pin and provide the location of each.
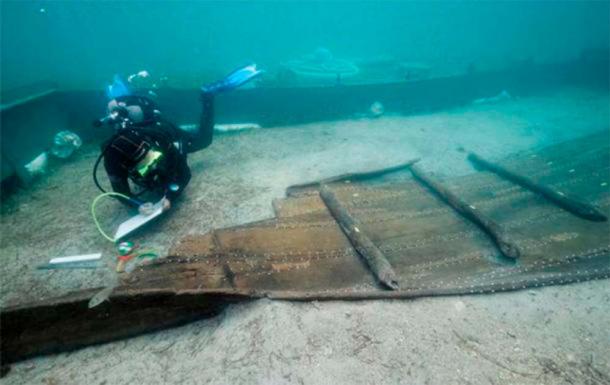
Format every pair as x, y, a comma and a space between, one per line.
137, 110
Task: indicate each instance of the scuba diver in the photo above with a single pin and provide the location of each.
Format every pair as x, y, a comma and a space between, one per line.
150, 151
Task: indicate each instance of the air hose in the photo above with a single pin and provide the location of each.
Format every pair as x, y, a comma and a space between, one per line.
94, 204
139, 255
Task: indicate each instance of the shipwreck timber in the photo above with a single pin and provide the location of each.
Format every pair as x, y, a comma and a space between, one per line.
304, 253
470, 212
571, 204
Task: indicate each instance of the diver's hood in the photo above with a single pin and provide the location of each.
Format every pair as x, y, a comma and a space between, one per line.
127, 106
118, 88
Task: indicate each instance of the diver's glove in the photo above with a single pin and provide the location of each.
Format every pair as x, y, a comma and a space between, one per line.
146, 209
235, 79
166, 204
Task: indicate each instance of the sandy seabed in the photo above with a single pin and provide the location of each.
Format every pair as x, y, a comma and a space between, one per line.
553, 335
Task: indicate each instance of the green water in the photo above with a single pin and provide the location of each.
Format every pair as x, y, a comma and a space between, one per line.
80, 44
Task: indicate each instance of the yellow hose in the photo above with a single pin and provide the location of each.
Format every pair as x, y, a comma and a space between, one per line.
97, 223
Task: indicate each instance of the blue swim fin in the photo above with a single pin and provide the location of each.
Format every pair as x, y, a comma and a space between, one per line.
235, 79
117, 89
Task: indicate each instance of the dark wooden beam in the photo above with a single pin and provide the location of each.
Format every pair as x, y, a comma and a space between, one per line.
67, 323
470, 212
356, 176
570, 204
377, 262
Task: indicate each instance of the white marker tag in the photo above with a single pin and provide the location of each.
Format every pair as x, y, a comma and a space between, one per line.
76, 258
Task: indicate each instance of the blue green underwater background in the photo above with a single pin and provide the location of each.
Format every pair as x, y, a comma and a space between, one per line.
81, 44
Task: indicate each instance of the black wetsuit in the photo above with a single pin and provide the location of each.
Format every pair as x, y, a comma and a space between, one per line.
124, 150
